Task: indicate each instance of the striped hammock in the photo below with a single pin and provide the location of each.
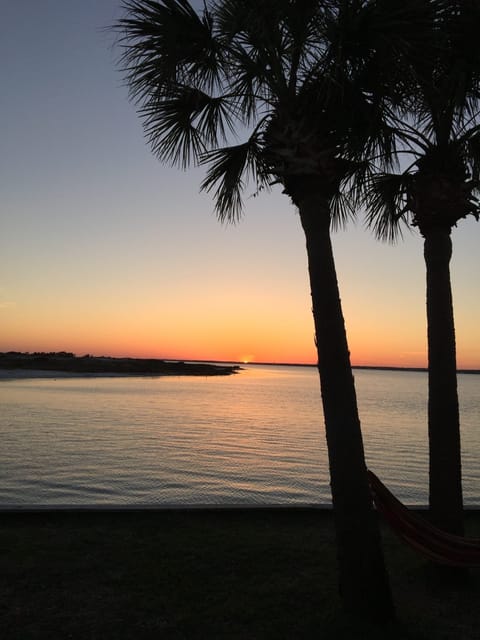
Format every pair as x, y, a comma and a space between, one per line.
435, 544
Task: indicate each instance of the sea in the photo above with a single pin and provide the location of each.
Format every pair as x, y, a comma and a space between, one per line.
254, 438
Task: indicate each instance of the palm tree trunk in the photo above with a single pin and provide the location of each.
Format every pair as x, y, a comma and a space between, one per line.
446, 503
364, 585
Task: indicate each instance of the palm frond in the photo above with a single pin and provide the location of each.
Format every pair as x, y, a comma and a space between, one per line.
447, 94
372, 132
384, 199
349, 85
342, 210
170, 128
166, 42
412, 134
302, 41
252, 23
259, 35
248, 81
229, 170
473, 152
217, 119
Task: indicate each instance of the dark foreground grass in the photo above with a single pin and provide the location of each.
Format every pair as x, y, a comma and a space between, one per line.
236, 574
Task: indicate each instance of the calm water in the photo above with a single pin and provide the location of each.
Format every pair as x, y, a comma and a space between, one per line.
253, 438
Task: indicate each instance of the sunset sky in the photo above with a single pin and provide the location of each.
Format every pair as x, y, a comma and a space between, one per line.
103, 250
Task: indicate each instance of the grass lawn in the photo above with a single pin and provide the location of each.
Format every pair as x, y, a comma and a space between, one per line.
236, 574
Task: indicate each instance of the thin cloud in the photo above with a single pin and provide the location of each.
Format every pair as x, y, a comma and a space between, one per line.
7, 304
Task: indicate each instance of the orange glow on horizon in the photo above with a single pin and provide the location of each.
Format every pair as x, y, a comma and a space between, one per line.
220, 334
416, 360
269, 353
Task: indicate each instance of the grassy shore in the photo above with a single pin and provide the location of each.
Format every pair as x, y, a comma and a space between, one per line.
236, 574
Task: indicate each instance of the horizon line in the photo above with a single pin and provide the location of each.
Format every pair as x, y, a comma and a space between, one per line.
238, 362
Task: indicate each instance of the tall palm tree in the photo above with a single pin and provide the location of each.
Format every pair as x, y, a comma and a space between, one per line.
441, 129
286, 75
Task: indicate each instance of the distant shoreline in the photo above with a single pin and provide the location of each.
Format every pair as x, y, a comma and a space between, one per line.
62, 364
355, 366
420, 369
53, 365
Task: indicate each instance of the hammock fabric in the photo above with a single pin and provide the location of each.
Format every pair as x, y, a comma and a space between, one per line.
435, 544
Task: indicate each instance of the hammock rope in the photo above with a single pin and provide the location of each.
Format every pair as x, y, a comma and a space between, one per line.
435, 544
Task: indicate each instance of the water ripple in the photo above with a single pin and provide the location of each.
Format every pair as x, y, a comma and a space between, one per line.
255, 438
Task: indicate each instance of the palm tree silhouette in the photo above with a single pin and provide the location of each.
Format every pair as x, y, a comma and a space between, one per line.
441, 129
294, 79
